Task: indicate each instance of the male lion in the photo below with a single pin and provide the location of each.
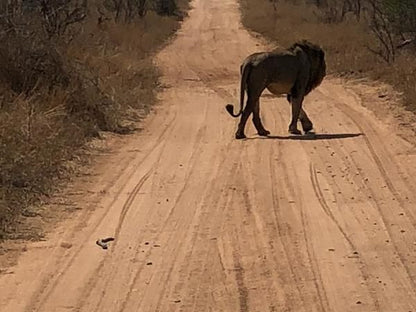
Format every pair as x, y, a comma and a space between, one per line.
295, 72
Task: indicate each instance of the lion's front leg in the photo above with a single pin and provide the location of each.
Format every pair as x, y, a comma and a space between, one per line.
296, 109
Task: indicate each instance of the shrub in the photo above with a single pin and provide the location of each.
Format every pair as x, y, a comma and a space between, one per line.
68, 70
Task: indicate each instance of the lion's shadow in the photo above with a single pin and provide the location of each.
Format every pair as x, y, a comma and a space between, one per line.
309, 137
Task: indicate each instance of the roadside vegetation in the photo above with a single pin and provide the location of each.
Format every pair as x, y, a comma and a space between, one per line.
372, 38
68, 70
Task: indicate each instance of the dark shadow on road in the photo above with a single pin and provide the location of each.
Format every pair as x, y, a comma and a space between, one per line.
310, 137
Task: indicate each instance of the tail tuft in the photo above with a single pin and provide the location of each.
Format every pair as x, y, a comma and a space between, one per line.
230, 109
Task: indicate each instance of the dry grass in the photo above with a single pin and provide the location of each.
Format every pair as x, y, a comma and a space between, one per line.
56, 94
346, 43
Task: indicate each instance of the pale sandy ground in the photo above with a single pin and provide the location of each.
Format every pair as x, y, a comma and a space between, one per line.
204, 222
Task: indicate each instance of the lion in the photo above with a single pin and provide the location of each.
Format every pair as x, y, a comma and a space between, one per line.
295, 71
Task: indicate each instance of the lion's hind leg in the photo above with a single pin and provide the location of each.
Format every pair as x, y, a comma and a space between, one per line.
257, 120
244, 116
307, 124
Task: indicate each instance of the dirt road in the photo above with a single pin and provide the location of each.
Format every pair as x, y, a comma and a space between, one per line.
203, 222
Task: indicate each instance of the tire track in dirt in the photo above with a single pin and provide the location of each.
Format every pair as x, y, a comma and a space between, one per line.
321, 198
190, 272
91, 284
193, 162
47, 288
86, 212
359, 179
318, 281
277, 227
364, 264
241, 285
285, 183
98, 268
324, 205
369, 131
317, 192
208, 252
97, 274
386, 221
235, 238
196, 151
276, 207
210, 207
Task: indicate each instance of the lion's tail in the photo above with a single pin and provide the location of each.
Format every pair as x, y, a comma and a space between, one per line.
244, 75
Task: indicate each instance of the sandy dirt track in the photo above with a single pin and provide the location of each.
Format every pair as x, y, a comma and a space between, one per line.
204, 222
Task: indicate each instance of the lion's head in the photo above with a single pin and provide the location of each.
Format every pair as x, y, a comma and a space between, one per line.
316, 57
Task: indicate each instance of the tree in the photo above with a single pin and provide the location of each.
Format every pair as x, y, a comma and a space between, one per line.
402, 16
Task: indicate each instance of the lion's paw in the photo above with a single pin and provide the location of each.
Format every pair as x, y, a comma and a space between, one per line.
263, 133
295, 131
240, 136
